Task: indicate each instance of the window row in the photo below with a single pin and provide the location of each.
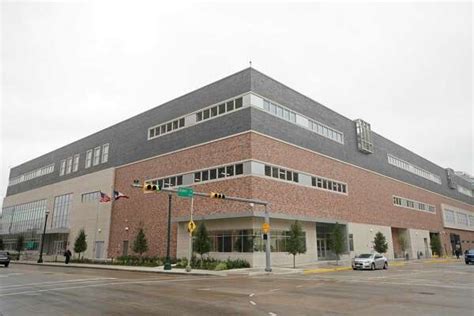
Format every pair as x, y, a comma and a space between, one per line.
327, 184
99, 154
61, 209
458, 218
165, 128
217, 173
32, 174
71, 164
397, 162
168, 182
280, 173
464, 190
21, 218
90, 197
249, 241
219, 109
296, 118
415, 205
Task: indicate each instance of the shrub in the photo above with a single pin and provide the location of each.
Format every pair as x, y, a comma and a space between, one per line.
221, 266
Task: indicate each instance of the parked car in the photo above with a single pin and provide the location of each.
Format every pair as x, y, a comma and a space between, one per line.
4, 258
469, 256
370, 261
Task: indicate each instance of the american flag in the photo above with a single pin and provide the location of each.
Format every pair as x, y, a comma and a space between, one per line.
104, 198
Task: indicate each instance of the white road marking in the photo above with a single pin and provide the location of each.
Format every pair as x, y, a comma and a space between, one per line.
299, 286
272, 314
10, 274
114, 283
274, 290
253, 303
48, 283
204, 289
252, 294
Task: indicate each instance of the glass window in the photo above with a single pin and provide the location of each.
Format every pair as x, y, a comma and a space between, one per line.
313, 181
204, 175
169, 127
230, 171
151, 133
96, 156
199, 116
289, 176
181, 122
266, 105
88, 158
172, 181
238, 103
295, 177
282, 174
62, 168
274, 172
163, 129
175, 125
69, 165
222, 108
197, 177
105, 153
75, 166
214, 111
239, 169
268, 171
221, 172
230, 106
206, 114
279, 111
179, 180
213, 174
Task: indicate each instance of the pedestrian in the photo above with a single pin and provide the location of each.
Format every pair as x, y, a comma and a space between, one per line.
458, 251
68, 255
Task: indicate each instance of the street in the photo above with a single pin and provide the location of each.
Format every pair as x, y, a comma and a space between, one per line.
414, 289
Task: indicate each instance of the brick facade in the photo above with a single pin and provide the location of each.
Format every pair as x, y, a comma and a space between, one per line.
369, 199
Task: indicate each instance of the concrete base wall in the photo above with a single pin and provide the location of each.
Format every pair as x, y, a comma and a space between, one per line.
363, 236
419, 242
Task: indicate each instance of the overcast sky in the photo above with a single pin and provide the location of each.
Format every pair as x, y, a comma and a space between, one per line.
71, 69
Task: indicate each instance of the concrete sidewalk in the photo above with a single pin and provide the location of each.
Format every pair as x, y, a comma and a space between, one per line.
160, 269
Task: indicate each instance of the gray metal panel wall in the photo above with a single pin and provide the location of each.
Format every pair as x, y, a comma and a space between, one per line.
128, 139
278, 128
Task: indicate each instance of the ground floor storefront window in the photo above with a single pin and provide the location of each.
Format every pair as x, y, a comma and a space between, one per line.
248, 240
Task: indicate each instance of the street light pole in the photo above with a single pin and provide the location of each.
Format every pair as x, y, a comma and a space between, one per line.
40, 260
168, 260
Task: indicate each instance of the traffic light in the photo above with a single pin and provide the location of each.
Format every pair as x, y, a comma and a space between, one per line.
148, 187
216, 195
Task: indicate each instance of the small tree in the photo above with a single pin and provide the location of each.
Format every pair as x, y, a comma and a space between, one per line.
202, 242
20, 243
295, 243
80, 245
380, 244
140, 245
402, 240
435, 244
337, 241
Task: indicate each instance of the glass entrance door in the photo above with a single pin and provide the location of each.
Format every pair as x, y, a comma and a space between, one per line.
322, 247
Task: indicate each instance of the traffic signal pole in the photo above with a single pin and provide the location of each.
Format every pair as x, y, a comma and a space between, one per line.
230, 198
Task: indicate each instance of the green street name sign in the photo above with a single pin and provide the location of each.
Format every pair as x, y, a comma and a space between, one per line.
185, 192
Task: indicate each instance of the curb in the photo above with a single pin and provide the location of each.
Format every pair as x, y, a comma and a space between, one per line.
120, 268
325, 270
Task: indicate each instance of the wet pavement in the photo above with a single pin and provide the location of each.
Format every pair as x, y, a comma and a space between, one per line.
415, 289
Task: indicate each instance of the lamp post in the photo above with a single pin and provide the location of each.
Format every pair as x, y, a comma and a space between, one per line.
168, 261
40, 260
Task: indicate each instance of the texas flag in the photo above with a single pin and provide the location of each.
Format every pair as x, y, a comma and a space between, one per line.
118, 195
104, 198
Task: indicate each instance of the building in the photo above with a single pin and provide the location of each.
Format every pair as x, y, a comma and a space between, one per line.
245, 135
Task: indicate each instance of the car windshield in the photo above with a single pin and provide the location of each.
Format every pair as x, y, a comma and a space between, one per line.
364, 255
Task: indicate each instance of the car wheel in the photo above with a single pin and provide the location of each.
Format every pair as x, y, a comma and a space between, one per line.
6, 265
354, 269
385, 266
372, 267
467, 262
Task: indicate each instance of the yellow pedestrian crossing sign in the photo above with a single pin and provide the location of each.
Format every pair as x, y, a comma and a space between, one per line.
191, 226
265, 227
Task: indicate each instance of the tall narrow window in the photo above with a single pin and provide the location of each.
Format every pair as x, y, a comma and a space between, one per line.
105, 153
75, 165
96, 156
62, 168
88, 158
69, 165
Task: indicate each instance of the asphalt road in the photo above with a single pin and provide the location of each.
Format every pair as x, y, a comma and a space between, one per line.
416, 289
